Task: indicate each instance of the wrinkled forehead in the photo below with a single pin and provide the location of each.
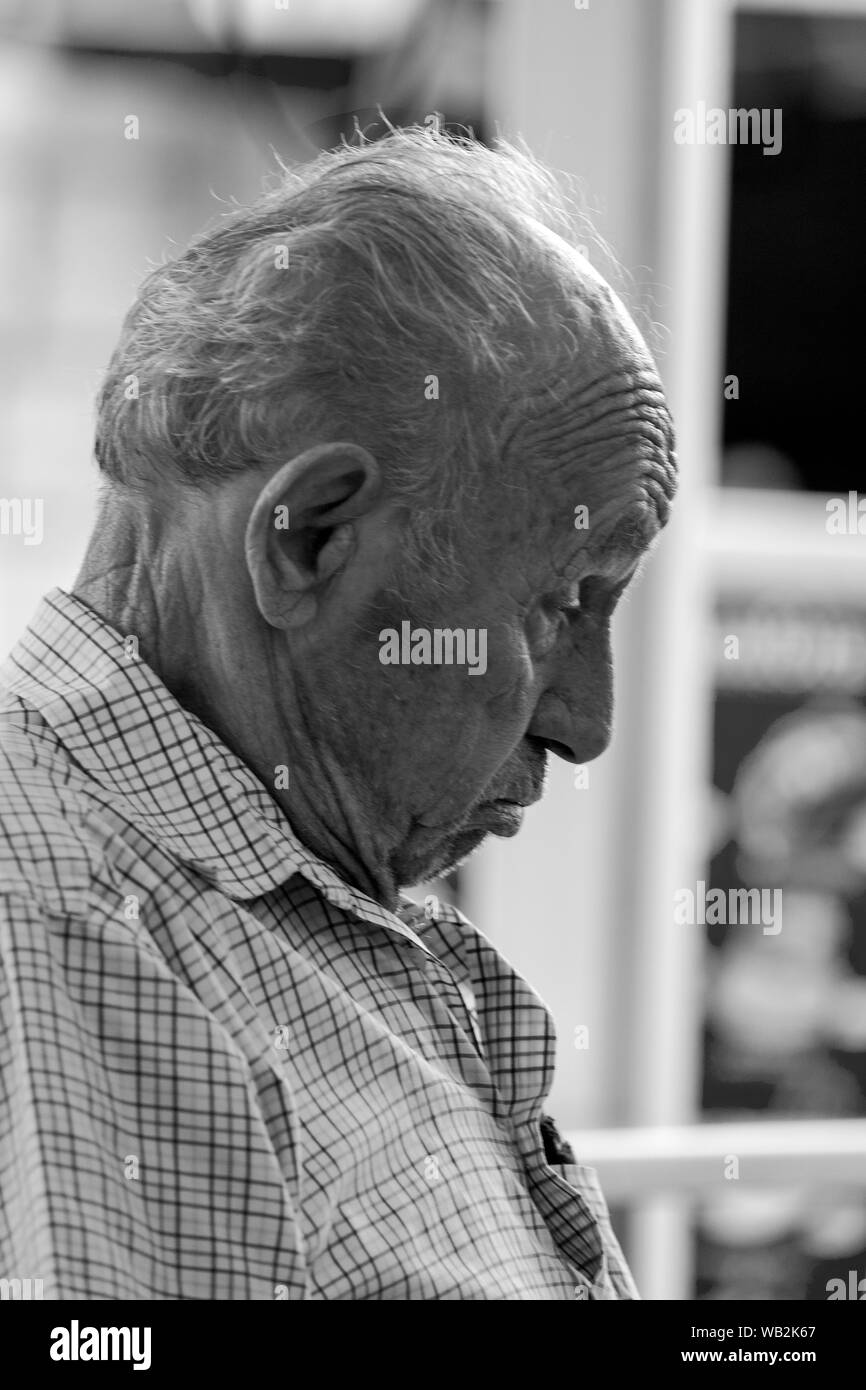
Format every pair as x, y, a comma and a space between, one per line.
593, 431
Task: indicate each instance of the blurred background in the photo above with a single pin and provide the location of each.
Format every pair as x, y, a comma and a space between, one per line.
716, 1075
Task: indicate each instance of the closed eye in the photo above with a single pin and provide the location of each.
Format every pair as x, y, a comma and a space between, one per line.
594, 598
598, 596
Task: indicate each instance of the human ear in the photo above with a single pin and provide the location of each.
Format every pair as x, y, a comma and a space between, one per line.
303, 528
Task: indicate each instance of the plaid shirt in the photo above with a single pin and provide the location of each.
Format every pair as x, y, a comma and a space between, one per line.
224, 1073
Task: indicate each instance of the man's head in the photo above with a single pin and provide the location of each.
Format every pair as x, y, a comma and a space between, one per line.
383, 421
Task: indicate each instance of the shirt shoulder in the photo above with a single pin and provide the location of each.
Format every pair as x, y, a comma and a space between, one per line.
49, 843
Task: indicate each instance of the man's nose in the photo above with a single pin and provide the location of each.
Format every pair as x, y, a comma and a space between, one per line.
574, 715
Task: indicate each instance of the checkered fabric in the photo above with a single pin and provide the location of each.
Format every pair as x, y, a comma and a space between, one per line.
224, 1073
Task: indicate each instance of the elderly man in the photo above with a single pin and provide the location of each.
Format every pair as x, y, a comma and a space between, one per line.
345, 440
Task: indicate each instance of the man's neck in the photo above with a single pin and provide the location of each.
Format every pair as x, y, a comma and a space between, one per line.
211, 675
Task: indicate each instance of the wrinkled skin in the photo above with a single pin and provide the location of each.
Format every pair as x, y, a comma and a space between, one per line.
272, 637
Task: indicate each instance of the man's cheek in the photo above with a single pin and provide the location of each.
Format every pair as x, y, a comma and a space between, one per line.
468, 751
510, 685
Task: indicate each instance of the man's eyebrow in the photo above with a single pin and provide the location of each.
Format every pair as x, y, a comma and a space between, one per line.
626, 544
633, 536
618, 558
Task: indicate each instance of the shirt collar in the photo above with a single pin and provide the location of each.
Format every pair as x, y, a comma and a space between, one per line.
170, 773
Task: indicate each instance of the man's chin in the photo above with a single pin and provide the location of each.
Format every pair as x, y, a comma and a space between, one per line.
503, 818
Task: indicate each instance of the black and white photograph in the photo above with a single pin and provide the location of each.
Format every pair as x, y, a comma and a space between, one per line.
432, 669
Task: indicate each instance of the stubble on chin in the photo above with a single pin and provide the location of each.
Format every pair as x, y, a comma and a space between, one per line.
438, 859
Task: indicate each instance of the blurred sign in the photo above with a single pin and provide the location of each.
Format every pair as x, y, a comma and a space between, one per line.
785, 1021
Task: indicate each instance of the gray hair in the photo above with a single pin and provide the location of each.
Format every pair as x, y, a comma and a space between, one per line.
322, 311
